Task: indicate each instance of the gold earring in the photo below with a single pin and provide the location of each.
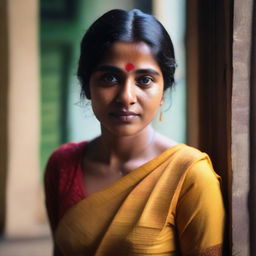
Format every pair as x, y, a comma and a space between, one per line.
160, 119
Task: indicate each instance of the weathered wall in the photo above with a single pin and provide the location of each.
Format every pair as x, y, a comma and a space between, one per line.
252, 194
23, 118
240, 125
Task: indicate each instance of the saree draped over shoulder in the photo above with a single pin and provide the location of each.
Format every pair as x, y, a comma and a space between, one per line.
171, 205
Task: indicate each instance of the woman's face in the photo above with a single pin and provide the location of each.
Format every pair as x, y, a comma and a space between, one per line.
126, 88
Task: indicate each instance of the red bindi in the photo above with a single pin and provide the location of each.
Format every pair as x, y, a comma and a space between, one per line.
129, 67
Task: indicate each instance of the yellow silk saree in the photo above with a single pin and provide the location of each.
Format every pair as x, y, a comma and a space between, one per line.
171, 205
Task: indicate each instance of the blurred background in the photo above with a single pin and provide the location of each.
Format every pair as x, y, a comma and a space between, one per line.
212, 105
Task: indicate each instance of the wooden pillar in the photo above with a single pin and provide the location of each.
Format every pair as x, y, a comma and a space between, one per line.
23, 118
4, 78
240, 125
192, 52
252, 194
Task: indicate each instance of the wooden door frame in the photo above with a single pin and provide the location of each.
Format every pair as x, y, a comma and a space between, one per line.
221, 105
209, 76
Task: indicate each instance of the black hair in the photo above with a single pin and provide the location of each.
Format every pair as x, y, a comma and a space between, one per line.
128, 26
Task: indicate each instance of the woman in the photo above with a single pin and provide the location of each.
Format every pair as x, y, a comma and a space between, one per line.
131, 191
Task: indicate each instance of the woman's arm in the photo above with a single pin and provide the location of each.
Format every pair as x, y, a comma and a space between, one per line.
200, 212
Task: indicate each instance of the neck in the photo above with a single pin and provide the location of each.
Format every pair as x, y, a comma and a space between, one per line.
123, 148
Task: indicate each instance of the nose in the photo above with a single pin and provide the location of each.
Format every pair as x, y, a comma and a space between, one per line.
127, 94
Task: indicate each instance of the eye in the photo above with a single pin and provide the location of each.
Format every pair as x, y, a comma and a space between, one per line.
145, 81
109, 78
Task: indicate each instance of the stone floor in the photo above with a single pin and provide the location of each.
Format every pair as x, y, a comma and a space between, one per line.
30, 246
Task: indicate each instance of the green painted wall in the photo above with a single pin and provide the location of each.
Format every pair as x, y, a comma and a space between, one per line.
59, 36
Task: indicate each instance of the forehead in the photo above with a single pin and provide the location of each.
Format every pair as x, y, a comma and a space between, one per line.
122, 53
139, 47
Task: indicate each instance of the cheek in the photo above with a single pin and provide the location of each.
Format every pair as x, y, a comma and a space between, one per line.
152, 103
101, 97
156, 97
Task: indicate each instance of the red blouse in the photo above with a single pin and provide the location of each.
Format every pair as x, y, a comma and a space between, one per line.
64, 180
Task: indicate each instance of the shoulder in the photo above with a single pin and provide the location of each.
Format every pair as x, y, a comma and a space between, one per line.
68, 148
200, 163
67, 152
200, 187
190, 153
194, 167
200, 175
63, 159
184, 157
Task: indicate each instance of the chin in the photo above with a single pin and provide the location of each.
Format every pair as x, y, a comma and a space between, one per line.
122, 131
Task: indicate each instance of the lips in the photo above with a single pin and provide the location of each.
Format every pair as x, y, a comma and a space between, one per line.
124, 116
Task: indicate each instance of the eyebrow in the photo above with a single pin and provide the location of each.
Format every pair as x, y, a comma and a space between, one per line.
119, 70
